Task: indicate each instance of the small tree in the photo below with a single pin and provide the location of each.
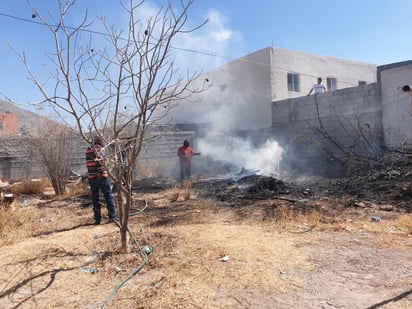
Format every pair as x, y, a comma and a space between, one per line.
113, 92
53, 142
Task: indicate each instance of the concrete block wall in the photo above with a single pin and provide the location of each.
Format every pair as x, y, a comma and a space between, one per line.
350, 116
17, 160
157, 158
159, 155
343, 114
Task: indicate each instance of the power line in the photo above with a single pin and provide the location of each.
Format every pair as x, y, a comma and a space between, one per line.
206, 53
200, 52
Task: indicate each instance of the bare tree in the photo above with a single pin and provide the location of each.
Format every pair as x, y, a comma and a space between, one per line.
358, 151
54, 143
119, 91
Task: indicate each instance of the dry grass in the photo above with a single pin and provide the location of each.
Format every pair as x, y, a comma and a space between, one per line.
187, 241
16, 224
186, 190
281, 213
180, 193
405, 223
173, 194
396, 222
284, 216
22, 218
77, 189
30, 187
312, 219
29, 216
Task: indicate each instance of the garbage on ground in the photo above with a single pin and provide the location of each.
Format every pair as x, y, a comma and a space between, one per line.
118, 269
92, 258
225, 258
90, 270
375, 218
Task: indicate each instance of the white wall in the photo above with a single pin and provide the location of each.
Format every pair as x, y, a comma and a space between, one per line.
239, 97
348, 73
242, 90
396, 105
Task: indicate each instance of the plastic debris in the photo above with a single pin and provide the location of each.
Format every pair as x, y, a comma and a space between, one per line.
92, 258
225, 258
90, 270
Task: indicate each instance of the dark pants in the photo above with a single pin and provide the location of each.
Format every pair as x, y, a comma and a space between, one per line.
97, 186
185, 172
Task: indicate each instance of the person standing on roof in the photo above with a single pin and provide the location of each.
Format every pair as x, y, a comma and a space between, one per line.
185, 154
319, 87
98, 181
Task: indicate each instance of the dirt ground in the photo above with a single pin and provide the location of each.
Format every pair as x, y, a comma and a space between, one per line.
217, 245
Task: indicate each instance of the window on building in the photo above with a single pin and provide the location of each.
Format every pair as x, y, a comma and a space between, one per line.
331, 83
293, 82
361, 82
1, 126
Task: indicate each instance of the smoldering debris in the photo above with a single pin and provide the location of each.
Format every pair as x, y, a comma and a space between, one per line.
247, 188
389, 188
244, 173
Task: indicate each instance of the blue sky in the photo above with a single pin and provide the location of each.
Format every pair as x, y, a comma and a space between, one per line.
370, 31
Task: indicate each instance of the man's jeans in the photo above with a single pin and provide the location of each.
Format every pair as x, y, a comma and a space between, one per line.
102, 185
185, 172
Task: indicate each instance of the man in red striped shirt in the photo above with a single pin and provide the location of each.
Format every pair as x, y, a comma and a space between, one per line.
98, 181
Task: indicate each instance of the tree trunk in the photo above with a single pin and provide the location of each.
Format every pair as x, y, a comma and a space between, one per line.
123, 236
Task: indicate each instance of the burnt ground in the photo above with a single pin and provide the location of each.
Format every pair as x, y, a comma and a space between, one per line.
389, 189
257, 242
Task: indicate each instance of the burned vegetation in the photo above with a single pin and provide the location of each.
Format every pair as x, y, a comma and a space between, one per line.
386, 187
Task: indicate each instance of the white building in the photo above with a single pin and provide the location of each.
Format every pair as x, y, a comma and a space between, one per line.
242, 90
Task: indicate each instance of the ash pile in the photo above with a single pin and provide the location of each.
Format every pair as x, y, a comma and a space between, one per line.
246, 185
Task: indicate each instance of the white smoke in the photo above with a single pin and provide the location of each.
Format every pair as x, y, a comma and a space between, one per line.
242, 153
230, 103
194, 50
